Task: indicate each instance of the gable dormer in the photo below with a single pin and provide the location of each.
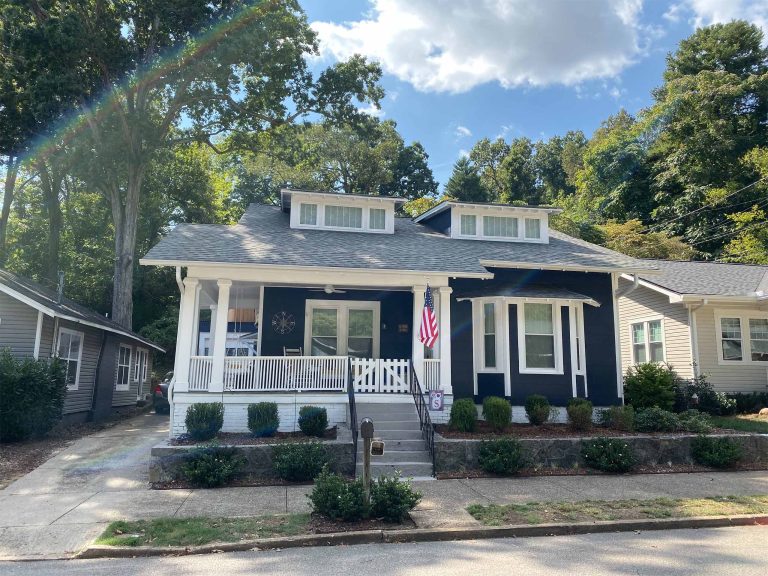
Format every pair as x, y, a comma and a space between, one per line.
340, 212
496, 222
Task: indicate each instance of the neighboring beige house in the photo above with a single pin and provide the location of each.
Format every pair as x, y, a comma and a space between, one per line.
705, 318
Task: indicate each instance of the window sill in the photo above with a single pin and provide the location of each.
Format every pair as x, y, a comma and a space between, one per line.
550, 371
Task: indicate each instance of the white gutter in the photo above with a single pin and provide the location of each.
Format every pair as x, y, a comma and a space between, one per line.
179, 282
693, 332
629, 289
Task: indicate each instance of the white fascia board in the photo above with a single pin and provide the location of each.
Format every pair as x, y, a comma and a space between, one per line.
515, 299
560, 267
722, 299
673, 296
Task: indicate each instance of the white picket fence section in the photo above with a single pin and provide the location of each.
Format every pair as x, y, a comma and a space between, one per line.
381, 375
431, 374
281, 373
200, 373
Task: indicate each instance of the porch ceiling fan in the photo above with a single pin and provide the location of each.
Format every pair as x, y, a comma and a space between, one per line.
328, 289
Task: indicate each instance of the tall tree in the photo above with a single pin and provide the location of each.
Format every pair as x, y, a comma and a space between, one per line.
487, 157
465, 184
519, 172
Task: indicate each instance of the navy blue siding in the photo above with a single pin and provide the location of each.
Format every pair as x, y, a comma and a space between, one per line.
462, 378
440, 223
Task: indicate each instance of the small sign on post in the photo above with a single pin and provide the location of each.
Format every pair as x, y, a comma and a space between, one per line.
436, 398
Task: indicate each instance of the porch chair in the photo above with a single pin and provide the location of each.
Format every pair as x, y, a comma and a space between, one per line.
292, 351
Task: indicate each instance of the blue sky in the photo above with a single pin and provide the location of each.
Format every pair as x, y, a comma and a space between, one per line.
460, 70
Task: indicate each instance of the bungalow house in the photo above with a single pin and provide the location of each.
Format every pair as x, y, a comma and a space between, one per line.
108, 368
703, 318
338, 283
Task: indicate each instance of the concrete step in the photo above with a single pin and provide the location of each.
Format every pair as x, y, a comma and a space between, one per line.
390, 435
395, 456
382, 427
388, 414
405, 469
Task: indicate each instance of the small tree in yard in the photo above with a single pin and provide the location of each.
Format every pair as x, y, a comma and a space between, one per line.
649, 385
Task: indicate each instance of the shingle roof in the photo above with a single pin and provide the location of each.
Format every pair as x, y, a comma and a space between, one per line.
263, 236
67, 309
709, 278
528, 291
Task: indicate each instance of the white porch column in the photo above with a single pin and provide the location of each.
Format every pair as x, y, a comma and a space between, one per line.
184, 335
220, 345
212, 329
444, 336
417, 352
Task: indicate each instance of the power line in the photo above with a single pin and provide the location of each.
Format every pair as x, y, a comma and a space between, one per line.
731, 233
756, 203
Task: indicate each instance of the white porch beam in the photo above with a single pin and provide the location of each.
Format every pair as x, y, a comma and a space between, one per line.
38, 335
444, 337
184, 335
417, 352
220, 344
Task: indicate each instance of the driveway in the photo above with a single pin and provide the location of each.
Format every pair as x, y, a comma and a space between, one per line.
37, 516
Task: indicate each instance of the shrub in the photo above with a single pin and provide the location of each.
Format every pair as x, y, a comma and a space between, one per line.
537, 409
749, 403
263, 419
657, 420
695, 421
337, 498
707, 398
580, 413
608, 454
204, 420
212, 466
648, 385
299, 461
392, 498
716, 452
313, 420
31, 396
504, 456
497, 412
619, 418
463, 416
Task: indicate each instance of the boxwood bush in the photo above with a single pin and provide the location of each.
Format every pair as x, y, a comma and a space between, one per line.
619, 418
497, 412
657, 420
204, 420
299, 461
313, 420
212, 466
651, 384
505, 456
716, 452
263, 419
580, 414
31, 396
608, 454
537, 409
695, 421
337, 498
463, 416
392, 498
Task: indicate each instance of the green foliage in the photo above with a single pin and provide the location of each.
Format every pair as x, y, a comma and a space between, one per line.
204, 420
313, 420
748, 403
657, 419
463, 415
212, 466
31, 396
580, 414
608, 454
263, 419
716, 452
299, 461
392, 498
695, 421
619, 418
464, 184
701, 395
650, 384
504, 456
633, 238
497, 412
337, 498
537, 409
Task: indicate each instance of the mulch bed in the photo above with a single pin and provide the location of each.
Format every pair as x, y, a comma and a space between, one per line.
484, 432
321, 525
246, 439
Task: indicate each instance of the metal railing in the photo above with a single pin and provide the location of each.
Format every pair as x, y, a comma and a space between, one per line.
352, 414
425, 421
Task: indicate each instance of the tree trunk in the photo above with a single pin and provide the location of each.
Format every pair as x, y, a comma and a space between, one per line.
12, 171
50, 182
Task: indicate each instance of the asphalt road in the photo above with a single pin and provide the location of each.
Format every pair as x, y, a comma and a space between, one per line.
720, 552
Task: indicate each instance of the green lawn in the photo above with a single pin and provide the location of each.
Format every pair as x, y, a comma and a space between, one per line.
745, 423
197, 531
588, 510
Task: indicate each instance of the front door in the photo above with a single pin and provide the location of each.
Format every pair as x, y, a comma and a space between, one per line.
342, 328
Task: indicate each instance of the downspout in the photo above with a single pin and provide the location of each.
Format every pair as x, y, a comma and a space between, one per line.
628, 289
171, 384
693, 331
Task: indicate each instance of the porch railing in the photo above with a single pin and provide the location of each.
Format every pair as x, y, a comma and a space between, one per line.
381, 375
425, 421
200, 373
280, 373
353, 424
431, 374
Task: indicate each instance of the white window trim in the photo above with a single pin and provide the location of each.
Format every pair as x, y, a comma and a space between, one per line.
143, 376
81, 335
342, 308
576, 327
478, 312
339, 200
127, 386
317, 214
504, 212
460, 219
647, 342
746, 340
558, 336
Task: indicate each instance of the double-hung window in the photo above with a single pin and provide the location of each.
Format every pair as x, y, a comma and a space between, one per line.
647, 342
540, 348
731, 339
758, 339
123, 368
70, 352
489, 335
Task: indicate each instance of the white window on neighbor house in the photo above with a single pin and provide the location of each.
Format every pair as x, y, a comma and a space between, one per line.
377, 219
140, 365
647, 341
123, 381
500, 226
308, 214
468, 225
758, 339
731, 340
539, 339
70, 351
489, 335
532, 228
343, 216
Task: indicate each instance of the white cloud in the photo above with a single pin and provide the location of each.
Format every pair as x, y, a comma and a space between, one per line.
463, 153
706, 12
371, 110
462, 132
454, 45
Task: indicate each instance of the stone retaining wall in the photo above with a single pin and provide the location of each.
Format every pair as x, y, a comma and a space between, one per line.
167, 459
460, 455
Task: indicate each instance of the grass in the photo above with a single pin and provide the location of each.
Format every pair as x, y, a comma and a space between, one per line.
589, 510
197, 531
745, 423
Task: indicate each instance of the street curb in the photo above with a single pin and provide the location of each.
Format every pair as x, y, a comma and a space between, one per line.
431, 535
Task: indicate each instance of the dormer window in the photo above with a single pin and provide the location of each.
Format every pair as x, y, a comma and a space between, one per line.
502, 226
377, 219
532, 228
468, 225
308, 214
340, 212
343, 217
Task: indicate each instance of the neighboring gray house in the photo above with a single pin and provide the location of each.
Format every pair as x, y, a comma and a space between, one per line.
705, 318
108, 367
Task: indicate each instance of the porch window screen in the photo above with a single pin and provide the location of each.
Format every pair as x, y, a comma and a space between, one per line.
343, 217
70, 352
377, 219
500, 226
532, 228
489, 335
539, 336
308, 214
468, 225
758, 339
360, 334
730, 338
123, 368
325, 332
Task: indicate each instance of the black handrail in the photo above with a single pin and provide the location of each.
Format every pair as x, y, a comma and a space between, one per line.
425, 421
352, 411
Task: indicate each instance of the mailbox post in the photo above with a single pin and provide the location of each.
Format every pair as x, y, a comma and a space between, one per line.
366, 431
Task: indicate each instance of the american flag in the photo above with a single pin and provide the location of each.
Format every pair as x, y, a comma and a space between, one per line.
428, 330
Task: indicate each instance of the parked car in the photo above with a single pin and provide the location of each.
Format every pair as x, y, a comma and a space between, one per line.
160, 395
